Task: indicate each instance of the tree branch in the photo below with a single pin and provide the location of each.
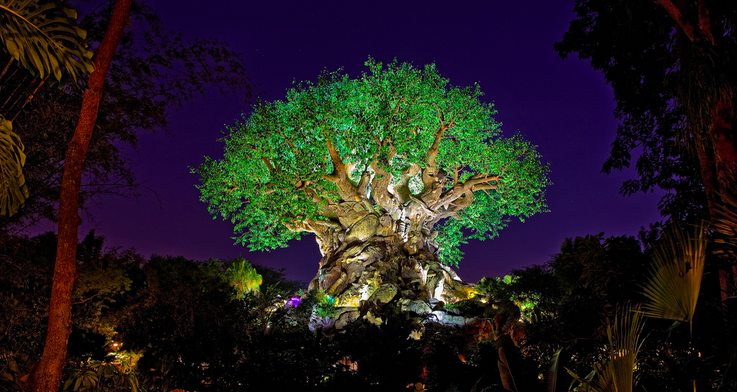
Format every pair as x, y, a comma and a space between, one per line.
433, 151
340, 175
678, 17
705, 22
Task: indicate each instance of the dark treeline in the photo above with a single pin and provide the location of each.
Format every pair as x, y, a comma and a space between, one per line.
167, 323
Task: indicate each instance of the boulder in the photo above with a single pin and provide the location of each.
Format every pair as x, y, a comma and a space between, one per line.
449, 319
346, 317
417, 306
385, 293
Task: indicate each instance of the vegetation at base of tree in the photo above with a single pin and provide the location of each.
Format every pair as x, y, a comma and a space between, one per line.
192, 332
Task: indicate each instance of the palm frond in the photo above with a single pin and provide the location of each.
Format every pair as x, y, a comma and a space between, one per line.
44, 37
678, 266
616, 373
13, 190
725, 222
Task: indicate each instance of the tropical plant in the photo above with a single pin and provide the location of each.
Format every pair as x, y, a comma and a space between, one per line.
671, 66
244, 278
104, 376
13, 191
616, 372
44, 37
678, 267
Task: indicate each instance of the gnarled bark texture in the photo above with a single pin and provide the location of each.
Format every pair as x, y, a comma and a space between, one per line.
387, 170
372, 258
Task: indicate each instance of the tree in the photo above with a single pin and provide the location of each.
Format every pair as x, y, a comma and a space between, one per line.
154, 70
47, 375
671, 66
387, 170
44, 38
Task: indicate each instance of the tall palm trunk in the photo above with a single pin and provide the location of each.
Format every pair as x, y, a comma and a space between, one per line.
47, 375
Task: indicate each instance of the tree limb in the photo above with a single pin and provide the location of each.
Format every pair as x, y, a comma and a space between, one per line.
705, 22
678, 17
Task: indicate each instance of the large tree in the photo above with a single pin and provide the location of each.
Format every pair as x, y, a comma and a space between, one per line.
671, 65
43, 37
47, 375
154, 70
391, 171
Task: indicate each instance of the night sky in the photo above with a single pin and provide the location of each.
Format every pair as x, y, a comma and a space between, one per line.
563, 106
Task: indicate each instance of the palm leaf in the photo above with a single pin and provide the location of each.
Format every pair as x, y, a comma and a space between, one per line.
616, 373
13, 190
44, 37
678, 266
725, 222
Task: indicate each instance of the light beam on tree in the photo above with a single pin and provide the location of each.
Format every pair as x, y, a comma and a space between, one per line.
395, 163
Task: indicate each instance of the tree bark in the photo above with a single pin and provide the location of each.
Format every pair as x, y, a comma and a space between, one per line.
372, 260
47, 375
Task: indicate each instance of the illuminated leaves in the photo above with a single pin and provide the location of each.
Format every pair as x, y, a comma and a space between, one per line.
291, 162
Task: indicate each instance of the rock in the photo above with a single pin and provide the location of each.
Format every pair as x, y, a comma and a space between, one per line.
317, 322
436, 304
328, 277
373, 320
419, 307
384, 294
434, 282
449, 319
346, 317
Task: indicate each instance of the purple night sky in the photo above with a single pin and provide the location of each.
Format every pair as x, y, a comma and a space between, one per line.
564, 107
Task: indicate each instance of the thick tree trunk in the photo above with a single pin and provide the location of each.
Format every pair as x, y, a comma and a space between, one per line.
378, 261
725, 166
47, 375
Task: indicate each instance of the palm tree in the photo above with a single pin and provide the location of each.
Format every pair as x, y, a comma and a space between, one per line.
43, 37
616, 373
678, 266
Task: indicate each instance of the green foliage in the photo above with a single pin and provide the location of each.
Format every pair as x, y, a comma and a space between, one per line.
26, 269
14, 190
153, 71
243, 277
325, 304
502, 290
103, 376
665, 87
45, 38
673, 288
616, 372
102, 280
275, 173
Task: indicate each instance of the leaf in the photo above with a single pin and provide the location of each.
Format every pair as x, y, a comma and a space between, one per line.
13, 190
44, 38
678, 267
616, 372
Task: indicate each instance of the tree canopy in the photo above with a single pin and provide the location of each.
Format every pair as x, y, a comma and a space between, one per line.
154, 70
399, 142
671, 66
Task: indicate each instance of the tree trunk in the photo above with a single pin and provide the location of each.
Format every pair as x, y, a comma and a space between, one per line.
378, 261
725, 163
47, 375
